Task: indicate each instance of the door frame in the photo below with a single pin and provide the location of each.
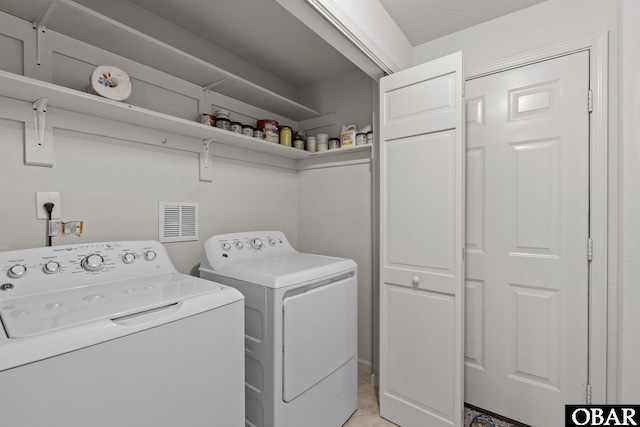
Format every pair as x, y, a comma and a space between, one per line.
597, 45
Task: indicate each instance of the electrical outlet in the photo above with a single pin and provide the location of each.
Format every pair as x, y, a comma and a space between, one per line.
46, 197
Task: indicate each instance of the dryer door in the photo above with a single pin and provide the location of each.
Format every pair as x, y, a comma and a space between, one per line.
319, 334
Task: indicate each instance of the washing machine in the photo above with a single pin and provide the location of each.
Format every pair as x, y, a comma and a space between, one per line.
109, 334
300, 328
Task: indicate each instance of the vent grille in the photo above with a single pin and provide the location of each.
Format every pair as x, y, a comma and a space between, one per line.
178, 222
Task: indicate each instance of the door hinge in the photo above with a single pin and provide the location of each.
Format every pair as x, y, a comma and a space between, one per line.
590, 101
589, 249
588, 402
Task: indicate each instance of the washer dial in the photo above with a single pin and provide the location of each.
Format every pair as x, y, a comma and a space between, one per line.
51, 267
92, 262
150, 255
17, 271
256, 244
128, 258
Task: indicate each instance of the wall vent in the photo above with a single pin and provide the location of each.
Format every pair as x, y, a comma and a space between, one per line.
178, 222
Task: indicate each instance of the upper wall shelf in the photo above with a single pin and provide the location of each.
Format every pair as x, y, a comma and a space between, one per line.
26, 89
84, 24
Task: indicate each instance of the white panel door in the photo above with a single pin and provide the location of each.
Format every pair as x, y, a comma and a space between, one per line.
527, 195
422, 220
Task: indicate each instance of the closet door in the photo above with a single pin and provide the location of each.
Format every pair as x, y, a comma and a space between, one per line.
422, 238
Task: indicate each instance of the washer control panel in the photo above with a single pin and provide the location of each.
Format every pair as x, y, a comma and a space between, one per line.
32, 271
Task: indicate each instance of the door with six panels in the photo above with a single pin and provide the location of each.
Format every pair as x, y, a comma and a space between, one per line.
527, 195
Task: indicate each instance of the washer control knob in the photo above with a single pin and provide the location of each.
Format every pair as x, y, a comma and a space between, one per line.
256, 244
51, 267
17, 271
272, 241
93, 262
128, 258
226, 246
239, 245
150, 255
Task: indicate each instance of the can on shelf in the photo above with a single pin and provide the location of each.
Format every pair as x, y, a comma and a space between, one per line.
361, 138
322, 142
334, 143
247, 130
208, 119
311, 144
286, 133
222, 114
236, 127
223, 123
269, 130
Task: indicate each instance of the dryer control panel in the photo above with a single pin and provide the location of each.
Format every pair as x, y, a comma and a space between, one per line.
245, 246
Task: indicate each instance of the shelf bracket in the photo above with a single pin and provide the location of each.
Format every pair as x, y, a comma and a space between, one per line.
206, 168
40, 25
206, 89
38, 140
39, 118
214, 84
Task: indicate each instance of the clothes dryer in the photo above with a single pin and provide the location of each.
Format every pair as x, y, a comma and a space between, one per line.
300, 328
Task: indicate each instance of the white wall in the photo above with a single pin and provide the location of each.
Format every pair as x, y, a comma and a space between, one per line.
629, 373
335, 219
550, 23
115, 186
538, 26
335, 202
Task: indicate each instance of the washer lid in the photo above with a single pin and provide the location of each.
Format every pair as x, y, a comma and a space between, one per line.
43, 313
285, 270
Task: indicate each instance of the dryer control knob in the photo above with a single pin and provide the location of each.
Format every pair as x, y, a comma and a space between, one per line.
17, 271
256, 244
149, 255
51, 267
128, 258
239, 245
93, 263
226, 246
272, 241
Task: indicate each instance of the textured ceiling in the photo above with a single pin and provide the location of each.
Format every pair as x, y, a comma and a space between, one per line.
425, 20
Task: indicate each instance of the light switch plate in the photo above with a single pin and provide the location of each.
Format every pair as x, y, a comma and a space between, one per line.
48, 197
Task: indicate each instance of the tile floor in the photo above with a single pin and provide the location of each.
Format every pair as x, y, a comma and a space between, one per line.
368, 412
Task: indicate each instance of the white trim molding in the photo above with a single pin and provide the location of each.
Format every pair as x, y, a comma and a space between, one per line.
370, 28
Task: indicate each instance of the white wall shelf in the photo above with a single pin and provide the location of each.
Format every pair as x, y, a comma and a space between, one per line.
86, 25
26, 89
